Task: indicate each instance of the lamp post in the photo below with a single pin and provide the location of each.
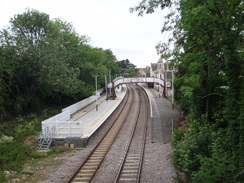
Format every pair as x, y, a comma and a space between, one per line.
96, 91
106, 87
173, 106
166, 90
110, 82
159, 86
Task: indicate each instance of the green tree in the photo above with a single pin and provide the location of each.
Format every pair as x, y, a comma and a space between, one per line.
208, 53
127, 68
96, 62
45, 67
42, 52
6, 75
45, 61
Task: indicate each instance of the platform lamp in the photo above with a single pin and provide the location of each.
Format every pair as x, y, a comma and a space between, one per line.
172, 84
106, 87
166, 89
96, 91
110, 82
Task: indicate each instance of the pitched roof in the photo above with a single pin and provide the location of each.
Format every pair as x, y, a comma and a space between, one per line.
160, 60
154, 66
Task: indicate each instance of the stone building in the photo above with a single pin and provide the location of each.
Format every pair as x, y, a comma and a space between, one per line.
161, 70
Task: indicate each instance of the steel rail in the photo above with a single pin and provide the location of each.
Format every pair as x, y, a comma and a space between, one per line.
144, 137
133, 174
89, 167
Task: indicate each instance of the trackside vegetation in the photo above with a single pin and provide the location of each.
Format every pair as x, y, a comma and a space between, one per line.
45, 61
209, 86
18, 142
44, 66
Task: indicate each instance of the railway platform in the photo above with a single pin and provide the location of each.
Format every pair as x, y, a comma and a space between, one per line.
162, 116
87, 120
93, 115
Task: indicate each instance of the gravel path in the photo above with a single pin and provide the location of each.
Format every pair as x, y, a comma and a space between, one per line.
157, 165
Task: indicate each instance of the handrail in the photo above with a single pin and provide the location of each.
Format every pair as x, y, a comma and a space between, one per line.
122, 80
57, 128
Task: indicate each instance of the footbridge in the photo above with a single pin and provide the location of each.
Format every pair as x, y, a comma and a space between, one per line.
122, 80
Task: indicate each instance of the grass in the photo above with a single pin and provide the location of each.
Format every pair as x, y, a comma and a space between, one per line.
21, 145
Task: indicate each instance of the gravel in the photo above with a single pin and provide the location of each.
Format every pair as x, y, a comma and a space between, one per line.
157, 165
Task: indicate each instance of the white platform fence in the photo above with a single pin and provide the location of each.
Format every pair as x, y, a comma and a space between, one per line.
59, 125
64, 128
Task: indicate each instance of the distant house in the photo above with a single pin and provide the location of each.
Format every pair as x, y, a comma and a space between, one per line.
142, 73
145, 72
161, 70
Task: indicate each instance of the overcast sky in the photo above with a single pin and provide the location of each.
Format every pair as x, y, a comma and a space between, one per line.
108, 23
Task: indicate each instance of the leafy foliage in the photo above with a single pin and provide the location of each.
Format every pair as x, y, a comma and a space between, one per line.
202, 153
17, 144
208, 53
13, 155
45, 62
126, 68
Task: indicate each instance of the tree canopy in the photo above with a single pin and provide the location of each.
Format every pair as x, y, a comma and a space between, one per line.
208, 53
127, 68
45, 61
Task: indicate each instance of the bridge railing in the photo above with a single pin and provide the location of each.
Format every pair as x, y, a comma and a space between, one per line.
121, 80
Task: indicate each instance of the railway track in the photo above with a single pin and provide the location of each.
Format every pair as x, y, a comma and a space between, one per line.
130, 169
135, 102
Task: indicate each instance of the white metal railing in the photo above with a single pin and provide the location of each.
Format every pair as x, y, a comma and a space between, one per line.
122, 80
77, 106
63, 116
56, 123
64, 128
48, 132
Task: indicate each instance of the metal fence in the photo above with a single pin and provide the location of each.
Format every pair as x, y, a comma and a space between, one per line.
59, 124
63, 128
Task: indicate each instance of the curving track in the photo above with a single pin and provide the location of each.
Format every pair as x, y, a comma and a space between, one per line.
135, 103
130, 169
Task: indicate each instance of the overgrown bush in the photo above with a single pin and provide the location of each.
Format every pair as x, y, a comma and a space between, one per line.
203, 153
215, 168
178, 136
13, 149
54, 150
195, 142
12, 155
41, 154
2, 176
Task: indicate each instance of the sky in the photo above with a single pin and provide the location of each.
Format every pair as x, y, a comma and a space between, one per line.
108, 23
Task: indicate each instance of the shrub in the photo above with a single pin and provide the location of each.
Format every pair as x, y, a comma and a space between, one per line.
218, 166
2, 176
205, 155
54, 150
192, 143
178, 136
27, 128
12, 155
38, 154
